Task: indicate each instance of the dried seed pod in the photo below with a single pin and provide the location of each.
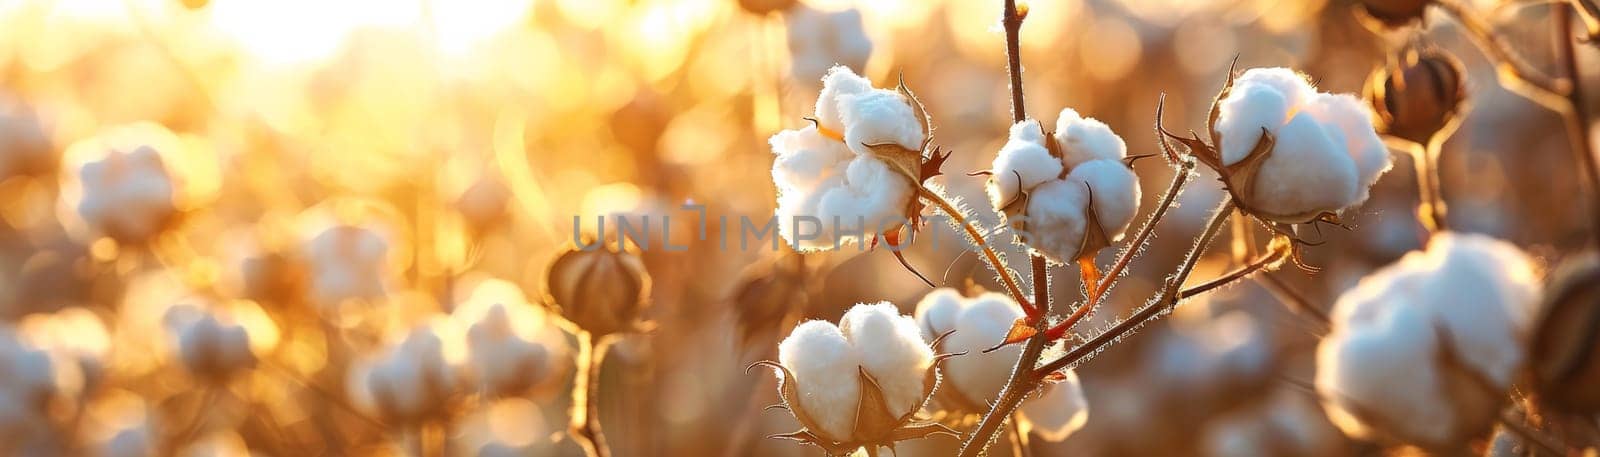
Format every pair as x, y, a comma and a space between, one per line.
599, 287
1395, 13
1418, 95
1566, 346
767, 294
764, 7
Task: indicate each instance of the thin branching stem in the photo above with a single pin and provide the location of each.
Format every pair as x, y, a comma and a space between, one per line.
989, 253
1293, 298
1577, 116
1515, 73
1169, 298
1023, 381
585, 424
1260, 263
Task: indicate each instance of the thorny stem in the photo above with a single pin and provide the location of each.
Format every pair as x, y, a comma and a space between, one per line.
1171, 294
1023, 381
585, 424
988, 252
1260, 263
1577, 117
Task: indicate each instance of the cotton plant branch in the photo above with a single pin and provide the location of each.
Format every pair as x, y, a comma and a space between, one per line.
995, 262
585, 424
1563, 96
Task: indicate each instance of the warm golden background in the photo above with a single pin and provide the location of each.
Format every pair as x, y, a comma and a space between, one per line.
460, 137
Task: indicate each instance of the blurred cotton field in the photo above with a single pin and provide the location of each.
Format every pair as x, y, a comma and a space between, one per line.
539, 228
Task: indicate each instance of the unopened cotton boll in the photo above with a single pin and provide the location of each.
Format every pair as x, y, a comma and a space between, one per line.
602, 290
1050, 187
825, 364
832, 187
1418, 95
819, 40
1424, 350
347, 262
1326, 153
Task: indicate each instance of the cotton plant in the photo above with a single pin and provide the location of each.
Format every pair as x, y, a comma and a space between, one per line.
961, 325
858, 384
1287, 153
511, 345
853, 175
347, 262
1068, 193
211, 345
123, 183
412, 381
819, 40
1424, 351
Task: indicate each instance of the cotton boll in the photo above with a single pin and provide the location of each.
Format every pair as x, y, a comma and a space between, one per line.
1023, 163
1283, 423
825, 367
1345, 115
412, 381
806, 158
1058, 410
892, 351
937, 312
879, 116
1113, 193
1423, 350
1085, 138
212, 349
1054, 224
1307, 172
504, 362
983, 323
840, 82
347, 262
1326, 152
819, 40
127, 195
1248, 111
833, 191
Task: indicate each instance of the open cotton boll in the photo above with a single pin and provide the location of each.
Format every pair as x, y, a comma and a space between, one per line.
978, 323
1327, 153
819, 40
504, 362
832, 189
347, 262
127, 195
826, 368
879, 116
1066, 174
937, 312
1055, 221
1113, 193
892, 351
413, 379
1059, 409
1022, 164
1085, 138
1423, 350
213, 349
